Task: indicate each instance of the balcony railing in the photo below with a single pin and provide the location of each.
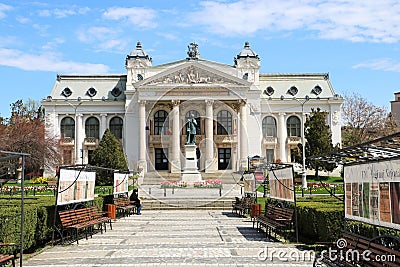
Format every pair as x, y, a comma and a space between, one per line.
294, 140
225, 138
67, 141
91, 141
270, 140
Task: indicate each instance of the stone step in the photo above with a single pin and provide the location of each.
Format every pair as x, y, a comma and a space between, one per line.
224, 204
154, 178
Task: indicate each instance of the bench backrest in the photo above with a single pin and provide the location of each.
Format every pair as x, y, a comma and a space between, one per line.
121, 201
275, 212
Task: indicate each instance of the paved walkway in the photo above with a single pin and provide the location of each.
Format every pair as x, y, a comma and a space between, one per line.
174, 238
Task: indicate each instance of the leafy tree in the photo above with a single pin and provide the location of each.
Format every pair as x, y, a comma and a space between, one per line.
109, 154
319, 138
363, 121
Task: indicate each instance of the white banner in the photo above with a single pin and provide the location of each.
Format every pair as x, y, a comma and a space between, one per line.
372, 193
75, 186
281, 184
121, 183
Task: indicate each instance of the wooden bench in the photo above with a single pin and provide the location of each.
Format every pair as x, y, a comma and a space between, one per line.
243, 206
79, 220
276, 219
101, 217
361, 251
124, 206
7, 258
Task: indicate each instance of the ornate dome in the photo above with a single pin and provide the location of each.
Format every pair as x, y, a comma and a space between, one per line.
139, 52
247, 52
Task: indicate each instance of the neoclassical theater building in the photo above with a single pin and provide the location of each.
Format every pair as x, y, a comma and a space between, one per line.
240, 112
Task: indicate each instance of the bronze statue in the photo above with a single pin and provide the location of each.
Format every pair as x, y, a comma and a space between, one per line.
191, 130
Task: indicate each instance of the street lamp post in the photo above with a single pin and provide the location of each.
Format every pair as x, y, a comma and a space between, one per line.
75, 107
304, 173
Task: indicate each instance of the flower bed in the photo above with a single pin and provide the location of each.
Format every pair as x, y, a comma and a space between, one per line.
208, 184
173, 184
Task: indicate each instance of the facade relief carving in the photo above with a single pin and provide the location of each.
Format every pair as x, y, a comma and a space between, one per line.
192, 75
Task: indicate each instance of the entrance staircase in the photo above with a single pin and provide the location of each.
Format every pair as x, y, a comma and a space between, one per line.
155, 197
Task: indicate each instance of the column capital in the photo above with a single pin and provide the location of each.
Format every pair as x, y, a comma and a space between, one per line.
79, 115
175, 102
242, 102
142, 102
103, 115
281, 113
209, 102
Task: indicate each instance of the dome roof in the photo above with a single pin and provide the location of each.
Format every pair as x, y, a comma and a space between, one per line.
139, 52
247, 52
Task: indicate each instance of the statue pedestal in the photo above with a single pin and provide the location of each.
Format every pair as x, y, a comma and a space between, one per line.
190, 172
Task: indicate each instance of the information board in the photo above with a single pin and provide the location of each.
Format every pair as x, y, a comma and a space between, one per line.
281, 184
75, 186
372, 193
121, 183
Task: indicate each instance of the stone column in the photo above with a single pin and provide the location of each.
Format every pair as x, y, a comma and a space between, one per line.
79, 138
103, 125
142, 164
282, 135
209, 163
243, 136
175, 161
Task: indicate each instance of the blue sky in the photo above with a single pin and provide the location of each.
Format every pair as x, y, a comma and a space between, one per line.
356, 42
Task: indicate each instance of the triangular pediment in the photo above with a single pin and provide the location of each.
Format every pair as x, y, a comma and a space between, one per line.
192, 73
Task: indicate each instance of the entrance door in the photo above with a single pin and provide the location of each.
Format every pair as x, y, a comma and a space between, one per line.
224, 158
161, 159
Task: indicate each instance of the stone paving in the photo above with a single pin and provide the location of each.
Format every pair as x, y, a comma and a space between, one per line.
175, 238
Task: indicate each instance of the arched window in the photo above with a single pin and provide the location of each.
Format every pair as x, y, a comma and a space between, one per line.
116, 125
92, 127
161, 123
224, 122
294, 126
269, 126
68, 127
197, 118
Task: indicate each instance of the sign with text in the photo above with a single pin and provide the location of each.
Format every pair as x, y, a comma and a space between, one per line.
372, 193
75, 186
281, 184
121, 183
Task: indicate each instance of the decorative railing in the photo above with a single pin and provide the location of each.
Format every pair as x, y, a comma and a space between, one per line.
67, 141
91, 141
294, 140
225, 138
270, 140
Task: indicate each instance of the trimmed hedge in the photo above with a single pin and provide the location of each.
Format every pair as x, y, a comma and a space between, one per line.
320, 219
38, 221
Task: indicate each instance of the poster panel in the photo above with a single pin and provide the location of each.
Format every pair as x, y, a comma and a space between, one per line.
372, 193
121, 183
75, 186
249, 183
281, 184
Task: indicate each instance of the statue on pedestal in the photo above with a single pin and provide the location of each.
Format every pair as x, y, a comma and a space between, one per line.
191, 130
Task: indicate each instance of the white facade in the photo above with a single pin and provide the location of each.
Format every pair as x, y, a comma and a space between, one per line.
240, 111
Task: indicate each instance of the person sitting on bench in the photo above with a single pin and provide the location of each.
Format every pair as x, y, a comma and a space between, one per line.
136, 200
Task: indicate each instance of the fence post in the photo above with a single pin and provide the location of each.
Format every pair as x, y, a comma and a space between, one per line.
165, 192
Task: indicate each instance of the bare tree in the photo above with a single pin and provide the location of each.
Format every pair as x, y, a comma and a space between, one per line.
25, 132
363, 121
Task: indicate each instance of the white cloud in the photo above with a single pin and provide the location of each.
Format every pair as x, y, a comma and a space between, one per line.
102, 38
3, 9
143, 17
385, 64
47, 62
63, 13
367, 20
